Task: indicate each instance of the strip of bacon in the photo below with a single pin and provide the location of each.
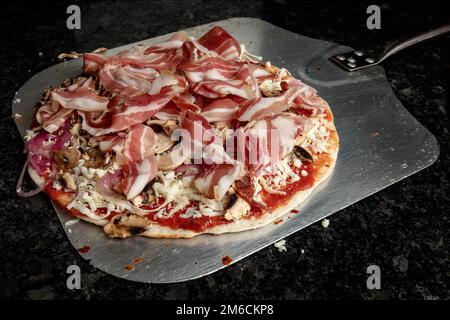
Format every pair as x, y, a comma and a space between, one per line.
264, 107
122, 115
139, 144
199, 128
220, 110
137, 110
126, 79
186, 102
93, 61
81, 99
209, 69
174, 43
271, 139
136, 175
157, 60
112, 142
51, 116
218, 89
222, 42
193, 51
215, 180
169, 112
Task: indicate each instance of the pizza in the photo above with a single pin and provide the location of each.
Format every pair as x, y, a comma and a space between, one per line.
181, 138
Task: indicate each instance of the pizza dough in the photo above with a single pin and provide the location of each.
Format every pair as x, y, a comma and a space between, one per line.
119, 147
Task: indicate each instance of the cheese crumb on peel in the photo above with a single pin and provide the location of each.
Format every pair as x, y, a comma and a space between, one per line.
281, 245
325, 223
71, 222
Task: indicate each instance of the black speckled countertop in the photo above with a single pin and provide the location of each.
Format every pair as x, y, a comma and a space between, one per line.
404, 229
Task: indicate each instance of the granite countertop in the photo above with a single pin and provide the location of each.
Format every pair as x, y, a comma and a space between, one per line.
404, 229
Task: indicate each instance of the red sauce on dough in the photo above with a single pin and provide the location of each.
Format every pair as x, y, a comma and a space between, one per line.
274, 201
175, 221
199, 224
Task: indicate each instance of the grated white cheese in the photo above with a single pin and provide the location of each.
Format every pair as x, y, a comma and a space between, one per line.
179, 193
71, 222
87, 199
247, 56
325, 223
317, 137
30, 134
281, 245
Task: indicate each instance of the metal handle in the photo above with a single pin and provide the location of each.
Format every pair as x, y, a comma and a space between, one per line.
415, 40
356, 60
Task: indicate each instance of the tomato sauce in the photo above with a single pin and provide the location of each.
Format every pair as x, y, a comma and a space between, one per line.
175, 221
274, 201
199, 224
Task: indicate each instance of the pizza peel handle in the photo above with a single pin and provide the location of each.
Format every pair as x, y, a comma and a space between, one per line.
358, 59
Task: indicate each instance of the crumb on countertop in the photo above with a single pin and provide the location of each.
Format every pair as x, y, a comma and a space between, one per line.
281, 245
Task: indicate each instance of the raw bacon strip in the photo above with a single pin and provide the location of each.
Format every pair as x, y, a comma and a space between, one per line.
309, 101
199, 128
260, 108
107, 183
156, 60
271, 139
126, 79
174, 43
220, 110
222, 42
215, 180
81, 99
93, 61
168, 79
137, 110
56, 121
112, 142
186, 102
139, 143
51, 116
218, 89
246, 73
192, 51
209, 69
169, 112
122, 115
136, 175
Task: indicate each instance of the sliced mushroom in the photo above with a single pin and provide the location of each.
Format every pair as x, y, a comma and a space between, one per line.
170, 126
75, 130
92, 142
126, 225
221, 125
238, 209
96, 158
172, 159
69, 183
66, 159
163, 143
303, 154
300, 139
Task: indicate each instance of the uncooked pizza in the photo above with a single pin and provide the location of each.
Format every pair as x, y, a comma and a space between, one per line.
181, 138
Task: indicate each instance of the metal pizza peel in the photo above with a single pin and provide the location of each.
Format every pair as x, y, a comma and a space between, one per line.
381, 143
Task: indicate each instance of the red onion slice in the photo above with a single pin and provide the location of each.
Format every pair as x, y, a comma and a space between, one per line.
19, 191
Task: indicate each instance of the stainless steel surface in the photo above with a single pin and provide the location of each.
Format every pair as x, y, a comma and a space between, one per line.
381, 143
355, 60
